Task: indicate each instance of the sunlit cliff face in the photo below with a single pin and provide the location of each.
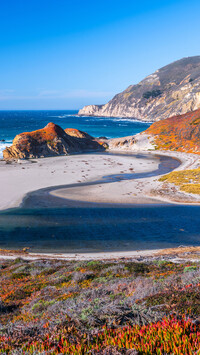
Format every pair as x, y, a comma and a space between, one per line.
171, 90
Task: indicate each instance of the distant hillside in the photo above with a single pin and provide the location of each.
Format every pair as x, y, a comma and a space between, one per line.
180, 133
171, 90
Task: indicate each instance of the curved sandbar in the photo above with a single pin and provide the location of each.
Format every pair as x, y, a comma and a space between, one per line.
19, 179
123, 188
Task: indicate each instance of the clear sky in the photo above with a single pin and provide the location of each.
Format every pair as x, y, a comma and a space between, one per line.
64, 54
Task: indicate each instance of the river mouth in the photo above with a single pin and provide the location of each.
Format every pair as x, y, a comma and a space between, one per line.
43, 198
68, 227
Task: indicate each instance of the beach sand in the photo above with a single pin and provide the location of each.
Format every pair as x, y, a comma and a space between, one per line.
180, 254
17, 179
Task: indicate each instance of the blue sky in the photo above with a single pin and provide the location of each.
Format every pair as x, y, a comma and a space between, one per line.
64, 54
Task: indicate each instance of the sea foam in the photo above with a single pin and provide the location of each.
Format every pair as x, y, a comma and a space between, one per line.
3, 145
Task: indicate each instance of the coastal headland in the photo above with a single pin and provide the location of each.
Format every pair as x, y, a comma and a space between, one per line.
169, 91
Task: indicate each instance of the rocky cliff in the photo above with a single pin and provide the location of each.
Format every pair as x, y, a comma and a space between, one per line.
171, 90
52, 140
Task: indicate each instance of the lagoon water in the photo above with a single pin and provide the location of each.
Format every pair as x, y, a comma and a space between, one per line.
91, 228
97, 229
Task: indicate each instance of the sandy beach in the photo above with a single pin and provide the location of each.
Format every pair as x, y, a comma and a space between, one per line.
176, 255
135, 191
17, 179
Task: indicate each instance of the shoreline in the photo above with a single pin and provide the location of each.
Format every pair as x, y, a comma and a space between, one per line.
36, 175
82, 193
176, 254
89, 162
146, 195
29, 176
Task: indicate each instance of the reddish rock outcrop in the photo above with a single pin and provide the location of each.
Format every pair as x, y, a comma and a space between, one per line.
79, 134
49, 141
181, 133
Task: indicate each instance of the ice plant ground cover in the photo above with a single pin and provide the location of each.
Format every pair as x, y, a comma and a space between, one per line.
93, 307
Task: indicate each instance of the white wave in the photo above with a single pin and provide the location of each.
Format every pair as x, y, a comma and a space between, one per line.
67, 115
114, 119
131, 120
56, 116
3, 145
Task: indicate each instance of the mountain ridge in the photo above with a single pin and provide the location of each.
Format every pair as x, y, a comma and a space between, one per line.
170, 91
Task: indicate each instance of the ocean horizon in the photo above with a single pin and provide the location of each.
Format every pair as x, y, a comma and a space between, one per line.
13, 122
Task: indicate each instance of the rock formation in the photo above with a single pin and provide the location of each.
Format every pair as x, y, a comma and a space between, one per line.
73, 132
137, 143
49, 141
171, 90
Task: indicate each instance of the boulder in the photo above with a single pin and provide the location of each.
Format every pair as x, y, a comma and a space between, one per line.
49, 141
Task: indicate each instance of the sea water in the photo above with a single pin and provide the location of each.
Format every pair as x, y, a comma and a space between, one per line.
15, 122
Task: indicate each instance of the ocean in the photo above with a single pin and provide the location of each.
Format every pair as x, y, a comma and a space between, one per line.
15, 122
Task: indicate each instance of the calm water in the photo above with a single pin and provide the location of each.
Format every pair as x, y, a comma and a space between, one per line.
100, 229
91, 229
14, 122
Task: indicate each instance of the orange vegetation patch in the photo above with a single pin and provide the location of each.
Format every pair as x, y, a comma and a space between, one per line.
180, 133
48, 133
16, 252
180, 250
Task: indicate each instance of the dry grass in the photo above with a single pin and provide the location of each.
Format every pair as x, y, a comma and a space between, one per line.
186, 180
191, 188
180, 250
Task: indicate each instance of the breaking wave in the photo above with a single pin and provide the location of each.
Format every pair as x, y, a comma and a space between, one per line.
3, 145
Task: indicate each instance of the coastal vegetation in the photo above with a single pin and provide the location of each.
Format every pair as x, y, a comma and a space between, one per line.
100, 307
186, 180
179, 133
152, 94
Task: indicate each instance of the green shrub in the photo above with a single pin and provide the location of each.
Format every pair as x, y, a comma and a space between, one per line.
153, 93
189, 268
